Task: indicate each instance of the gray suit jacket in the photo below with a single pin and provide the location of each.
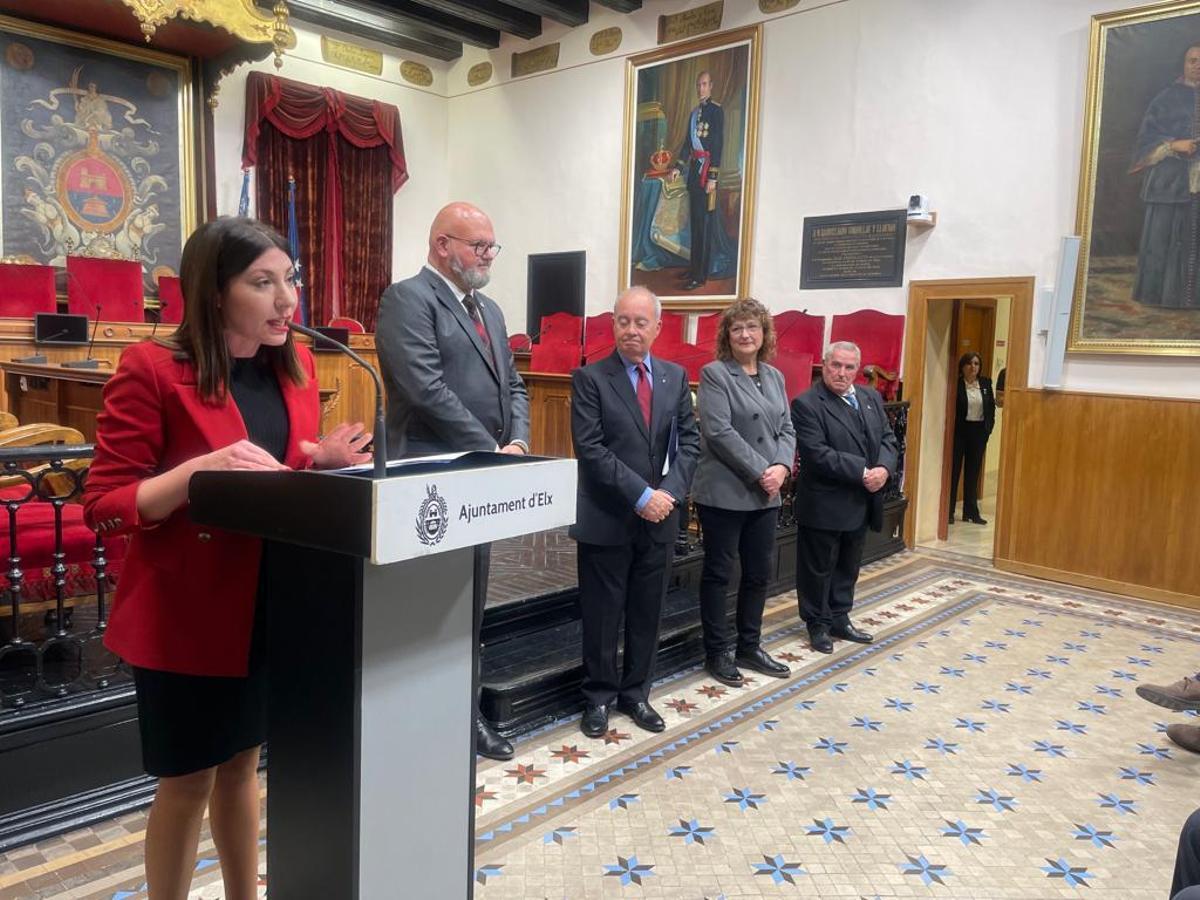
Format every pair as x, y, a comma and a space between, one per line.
444, 393
742, 432
619, 457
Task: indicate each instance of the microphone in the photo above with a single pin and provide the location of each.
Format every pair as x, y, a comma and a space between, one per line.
379, 437
162, 305
87, 362
40, 359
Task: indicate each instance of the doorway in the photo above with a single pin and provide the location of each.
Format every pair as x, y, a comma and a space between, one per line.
946, 319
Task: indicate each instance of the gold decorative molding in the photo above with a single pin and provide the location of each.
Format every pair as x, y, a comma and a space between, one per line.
606, 40
541, 59
351, 56
480, 73
416, 73
691, 22
241, 18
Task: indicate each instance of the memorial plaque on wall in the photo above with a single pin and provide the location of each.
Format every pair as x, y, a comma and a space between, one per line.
854, 250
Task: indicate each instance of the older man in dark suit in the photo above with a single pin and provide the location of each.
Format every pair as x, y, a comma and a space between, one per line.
635, 436
451, 382
847, 453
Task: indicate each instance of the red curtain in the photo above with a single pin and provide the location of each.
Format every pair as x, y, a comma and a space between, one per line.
340, 149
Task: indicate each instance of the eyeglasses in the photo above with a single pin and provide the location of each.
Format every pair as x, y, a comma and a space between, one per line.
482, 248
745, 328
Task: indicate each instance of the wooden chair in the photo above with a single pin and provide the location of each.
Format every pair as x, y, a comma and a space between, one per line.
7, 420
880, 337
561, 328
106, 290
798, 332
26, 289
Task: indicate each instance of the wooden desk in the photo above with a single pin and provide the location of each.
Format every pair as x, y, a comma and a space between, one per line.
72, 397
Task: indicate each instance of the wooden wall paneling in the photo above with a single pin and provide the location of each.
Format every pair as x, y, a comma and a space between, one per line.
549, 414
1099, 492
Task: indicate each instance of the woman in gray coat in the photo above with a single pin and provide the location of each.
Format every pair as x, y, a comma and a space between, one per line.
747, 449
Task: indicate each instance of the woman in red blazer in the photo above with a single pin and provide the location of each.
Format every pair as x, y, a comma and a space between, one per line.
229, 390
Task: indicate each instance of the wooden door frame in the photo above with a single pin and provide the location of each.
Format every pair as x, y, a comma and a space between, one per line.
1019, 290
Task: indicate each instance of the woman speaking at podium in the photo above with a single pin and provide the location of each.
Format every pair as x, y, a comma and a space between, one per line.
228, 390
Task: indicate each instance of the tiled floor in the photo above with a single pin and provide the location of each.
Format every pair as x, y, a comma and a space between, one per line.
988, 745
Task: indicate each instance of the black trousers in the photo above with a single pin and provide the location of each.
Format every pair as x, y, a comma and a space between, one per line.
731, 535
626, 580
827, 564
1187, 859
970, 443
698, 224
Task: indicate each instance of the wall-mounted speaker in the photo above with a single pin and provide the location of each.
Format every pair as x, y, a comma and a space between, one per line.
1060, 313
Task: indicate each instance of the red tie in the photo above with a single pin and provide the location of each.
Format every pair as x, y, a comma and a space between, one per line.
473, 310
643, 392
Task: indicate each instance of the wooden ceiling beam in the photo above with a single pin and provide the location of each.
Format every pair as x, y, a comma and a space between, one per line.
490, 14
571, 13
373, 22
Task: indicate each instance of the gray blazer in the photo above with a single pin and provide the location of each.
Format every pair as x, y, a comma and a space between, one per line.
742, 432
444, 392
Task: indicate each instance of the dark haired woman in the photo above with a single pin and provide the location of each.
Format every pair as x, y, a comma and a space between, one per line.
748, 445
974, 417
229, 390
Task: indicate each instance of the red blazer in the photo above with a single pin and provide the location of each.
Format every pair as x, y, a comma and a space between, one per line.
185, 600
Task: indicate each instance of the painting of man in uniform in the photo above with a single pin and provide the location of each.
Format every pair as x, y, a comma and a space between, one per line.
90, 154
1141, 285
688, 171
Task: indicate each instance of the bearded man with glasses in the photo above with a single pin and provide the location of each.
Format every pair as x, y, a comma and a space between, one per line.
451, 382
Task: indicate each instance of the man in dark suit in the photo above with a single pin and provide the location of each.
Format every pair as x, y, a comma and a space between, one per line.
636, 440
847, 453
700, 160
451, 382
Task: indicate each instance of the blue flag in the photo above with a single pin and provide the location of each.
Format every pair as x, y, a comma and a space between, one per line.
244, 201
294, 247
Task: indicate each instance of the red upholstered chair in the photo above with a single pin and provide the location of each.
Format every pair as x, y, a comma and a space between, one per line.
519, 343
26, 289
352, 325
880, 337
706, 329
691, 357
672, 328
106, 289
554, 356
562, 328
170, 299
798, 332
797, 372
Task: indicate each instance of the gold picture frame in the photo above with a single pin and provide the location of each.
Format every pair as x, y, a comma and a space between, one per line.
99, 150
665, 133
1137, 287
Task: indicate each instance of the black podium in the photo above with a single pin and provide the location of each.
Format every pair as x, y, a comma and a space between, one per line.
372, 659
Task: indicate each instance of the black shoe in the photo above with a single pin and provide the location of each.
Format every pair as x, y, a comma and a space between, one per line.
594, 723
760, 661
848, 632
692, 285
643, 714
489, 742
820, 641
721, 668
977, 519
951, 518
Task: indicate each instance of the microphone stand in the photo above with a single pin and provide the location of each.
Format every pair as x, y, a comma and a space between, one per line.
379, 436
87, 362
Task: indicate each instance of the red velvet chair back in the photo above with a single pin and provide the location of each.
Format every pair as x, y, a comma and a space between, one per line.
352, 325
797, 369
113, 285
879, 336
554, 357
26, 290
598, 341
691, 357
706, 329
518, 343
798, 332
561, 328
170, 298
672, 328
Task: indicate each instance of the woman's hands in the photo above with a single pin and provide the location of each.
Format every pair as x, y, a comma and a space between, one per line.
771, 481
340, 448
242, 456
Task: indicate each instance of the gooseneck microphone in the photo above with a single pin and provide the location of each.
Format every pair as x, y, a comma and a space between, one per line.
162, 307
88, 362
379, 436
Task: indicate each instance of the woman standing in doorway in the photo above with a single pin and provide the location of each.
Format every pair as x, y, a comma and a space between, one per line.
974, 417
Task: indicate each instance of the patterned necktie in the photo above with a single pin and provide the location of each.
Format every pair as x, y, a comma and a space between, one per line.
643, 392
472, 306
852, 399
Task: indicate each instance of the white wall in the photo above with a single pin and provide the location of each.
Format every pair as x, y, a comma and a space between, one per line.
977, 104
